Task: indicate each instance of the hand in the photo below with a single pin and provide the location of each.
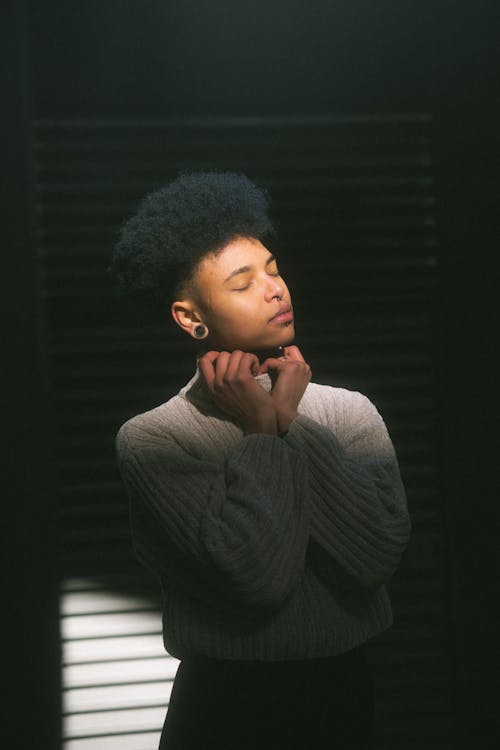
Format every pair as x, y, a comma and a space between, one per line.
290, 375
230, 379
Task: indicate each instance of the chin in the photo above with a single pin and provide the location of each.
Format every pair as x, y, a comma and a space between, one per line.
290, 336
269, 348
285, 337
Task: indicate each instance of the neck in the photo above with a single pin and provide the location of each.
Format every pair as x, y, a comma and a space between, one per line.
275, 352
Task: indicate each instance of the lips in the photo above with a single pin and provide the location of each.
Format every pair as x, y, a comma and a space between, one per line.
284, 315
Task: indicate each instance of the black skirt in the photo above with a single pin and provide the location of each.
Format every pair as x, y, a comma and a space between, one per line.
238, 705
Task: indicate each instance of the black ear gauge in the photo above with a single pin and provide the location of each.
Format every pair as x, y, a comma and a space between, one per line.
201, 331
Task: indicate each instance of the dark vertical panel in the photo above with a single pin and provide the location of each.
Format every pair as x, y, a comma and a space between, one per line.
468, 193
30, 641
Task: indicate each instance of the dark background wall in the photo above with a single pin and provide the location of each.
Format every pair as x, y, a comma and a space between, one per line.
209, 58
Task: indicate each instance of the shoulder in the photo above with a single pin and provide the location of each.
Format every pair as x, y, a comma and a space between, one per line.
155, 424
353, 418
336, 407
335, 395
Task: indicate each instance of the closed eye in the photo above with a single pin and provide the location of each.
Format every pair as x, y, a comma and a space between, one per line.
241, 288
274, 273
272, 267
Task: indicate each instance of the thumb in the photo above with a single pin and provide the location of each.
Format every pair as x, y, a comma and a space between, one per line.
271, 363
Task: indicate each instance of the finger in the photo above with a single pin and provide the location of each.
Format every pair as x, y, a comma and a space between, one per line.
271, 363
233, 366
249, 363
210, 356
221, 366
293, 352
206, 367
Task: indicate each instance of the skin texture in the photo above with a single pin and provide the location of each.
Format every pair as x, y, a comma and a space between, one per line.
237, 295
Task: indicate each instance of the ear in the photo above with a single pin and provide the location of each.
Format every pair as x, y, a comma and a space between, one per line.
186, 316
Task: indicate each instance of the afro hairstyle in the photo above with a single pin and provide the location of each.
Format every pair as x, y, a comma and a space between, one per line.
198, 213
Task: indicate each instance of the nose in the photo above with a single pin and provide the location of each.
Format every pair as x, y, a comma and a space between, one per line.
275, 288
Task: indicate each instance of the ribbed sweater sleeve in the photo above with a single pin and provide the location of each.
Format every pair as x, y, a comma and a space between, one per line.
357, 502
239, 527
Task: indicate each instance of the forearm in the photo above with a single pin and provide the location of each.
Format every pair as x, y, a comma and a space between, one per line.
242, 526
358, 513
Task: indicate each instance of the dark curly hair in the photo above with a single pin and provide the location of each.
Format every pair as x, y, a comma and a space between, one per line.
174, 227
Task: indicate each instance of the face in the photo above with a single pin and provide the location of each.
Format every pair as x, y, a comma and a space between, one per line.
246, 304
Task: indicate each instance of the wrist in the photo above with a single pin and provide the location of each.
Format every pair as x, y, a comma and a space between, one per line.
285, 418
263, 424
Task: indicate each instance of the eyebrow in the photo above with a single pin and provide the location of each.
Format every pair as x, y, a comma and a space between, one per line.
246, 269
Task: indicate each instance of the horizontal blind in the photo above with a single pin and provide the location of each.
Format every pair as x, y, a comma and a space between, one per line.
353, 202
117, 677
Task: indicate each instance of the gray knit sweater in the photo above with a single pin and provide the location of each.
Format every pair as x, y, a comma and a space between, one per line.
267, 548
